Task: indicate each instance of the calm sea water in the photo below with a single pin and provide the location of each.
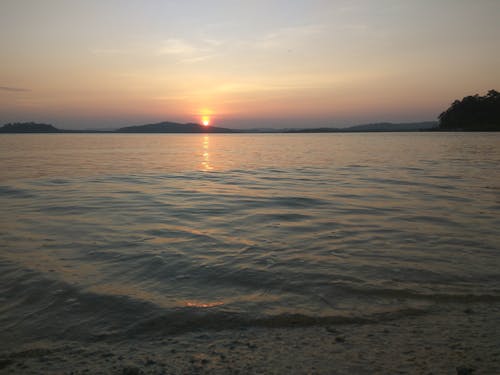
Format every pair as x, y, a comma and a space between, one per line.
120, 235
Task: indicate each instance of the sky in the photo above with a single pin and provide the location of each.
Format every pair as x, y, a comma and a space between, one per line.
243, 63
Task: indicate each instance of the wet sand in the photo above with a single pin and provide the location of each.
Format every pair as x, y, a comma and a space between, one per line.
450, 340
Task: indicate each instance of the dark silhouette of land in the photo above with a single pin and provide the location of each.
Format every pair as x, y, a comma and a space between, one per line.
376, 127
28, 127
33, 127
473, 113
173, 127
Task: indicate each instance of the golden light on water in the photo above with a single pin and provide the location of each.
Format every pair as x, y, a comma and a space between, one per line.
206, 157
203, 304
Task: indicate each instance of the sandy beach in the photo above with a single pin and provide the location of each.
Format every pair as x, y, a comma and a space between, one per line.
445, 341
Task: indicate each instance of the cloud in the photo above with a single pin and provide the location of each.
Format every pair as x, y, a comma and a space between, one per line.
176, 47
13, 89
188, 52
288, 35
198, 59
171, 46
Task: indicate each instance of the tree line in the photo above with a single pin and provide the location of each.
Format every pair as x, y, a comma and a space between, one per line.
473, 113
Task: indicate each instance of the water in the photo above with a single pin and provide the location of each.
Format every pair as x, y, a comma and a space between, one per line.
122, 235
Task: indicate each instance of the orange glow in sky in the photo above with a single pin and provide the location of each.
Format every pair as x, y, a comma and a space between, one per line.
320, 63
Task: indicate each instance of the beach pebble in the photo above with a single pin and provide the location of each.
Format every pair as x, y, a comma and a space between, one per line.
332, 330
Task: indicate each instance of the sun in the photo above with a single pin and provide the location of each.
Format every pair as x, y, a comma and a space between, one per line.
205, 120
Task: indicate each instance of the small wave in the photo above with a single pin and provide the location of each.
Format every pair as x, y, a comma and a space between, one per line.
39, 307
189, 319
277, 216
59, 181
435, 297
297, 202
15, 192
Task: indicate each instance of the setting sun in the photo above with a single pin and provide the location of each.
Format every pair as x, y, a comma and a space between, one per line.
205, 120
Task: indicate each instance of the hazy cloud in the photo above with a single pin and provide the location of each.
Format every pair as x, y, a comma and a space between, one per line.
189, 52
180, 49
176, 47
13, 89
171, 46
197, 59
288, 35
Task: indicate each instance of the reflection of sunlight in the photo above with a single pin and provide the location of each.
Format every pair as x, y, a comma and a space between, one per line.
202, 304
206, 157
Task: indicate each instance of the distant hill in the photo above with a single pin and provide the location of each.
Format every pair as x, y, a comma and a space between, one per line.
395, 127
473, 113
173, 127
376, 127
28, 127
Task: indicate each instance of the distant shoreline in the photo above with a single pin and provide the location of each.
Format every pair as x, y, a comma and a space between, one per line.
191, 128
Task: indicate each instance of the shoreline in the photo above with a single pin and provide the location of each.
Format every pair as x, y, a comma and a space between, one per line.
452, 339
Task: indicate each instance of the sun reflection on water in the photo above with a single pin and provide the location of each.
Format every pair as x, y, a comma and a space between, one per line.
206, 156
203, 304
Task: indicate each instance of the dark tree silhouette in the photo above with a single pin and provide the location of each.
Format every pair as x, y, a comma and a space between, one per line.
28, 127
473, 113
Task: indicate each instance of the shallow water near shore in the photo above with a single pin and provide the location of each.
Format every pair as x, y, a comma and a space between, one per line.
127, 235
